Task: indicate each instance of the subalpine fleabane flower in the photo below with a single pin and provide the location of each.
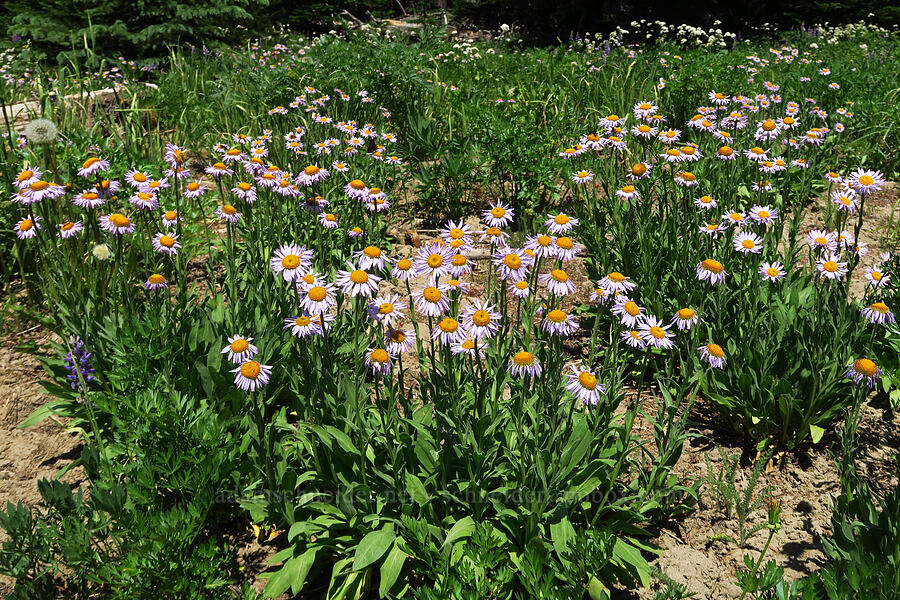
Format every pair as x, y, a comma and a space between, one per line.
251, 375
239, 349
524, 364
864, 370
713, 355
379, 360
584, 385
291, 261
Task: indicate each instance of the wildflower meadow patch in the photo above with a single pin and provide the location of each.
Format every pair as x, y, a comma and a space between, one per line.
437, 313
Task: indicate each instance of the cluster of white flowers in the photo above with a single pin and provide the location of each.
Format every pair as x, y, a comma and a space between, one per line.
832, 34
686, 36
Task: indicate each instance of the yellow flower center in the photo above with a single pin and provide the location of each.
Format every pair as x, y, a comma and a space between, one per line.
39, 186
459, 260
26, 225
628, 189
357, 184
881, 307
763, 214
302, 321
167, 240
481, 318
156, 278
435, 260
735, 216
359, 276
686, 314
643, 128
498, 212
513, 261
866, 180
688, 176
748, 244
404, 264
769, 125
239, 345
311, 170
92, 160
638, 169
557, 316
67, 225
250, 369
457, 234
397, 336
228, 209
582, 174
193, 186
559, 275
119, 220
689, 150
523, 358
25, 175
772, 272
673, 152
587, 380
657, 332
219, 166
830, 266
493, 231
757, 150
380, 356
521, 285
290, 262
431, 294
564, 243
715, 350
317, 293
561, 219
726, 151
386, 308
372, 251
631, 308
865, 367
448, 325
712, 265
876, 275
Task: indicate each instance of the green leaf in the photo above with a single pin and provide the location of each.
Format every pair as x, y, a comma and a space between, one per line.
461, 529
42, 413
373, 546
816, 433
630, 558
597, 590
291, 575
390, 569
561, 534
416, 489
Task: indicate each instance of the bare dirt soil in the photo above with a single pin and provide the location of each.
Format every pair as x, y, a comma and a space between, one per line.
39, 452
